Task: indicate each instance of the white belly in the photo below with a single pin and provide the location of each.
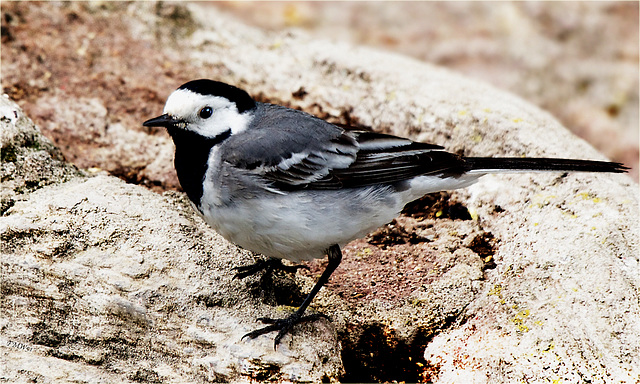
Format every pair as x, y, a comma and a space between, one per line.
302, 225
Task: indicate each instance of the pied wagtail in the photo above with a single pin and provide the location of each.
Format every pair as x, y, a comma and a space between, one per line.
289, 185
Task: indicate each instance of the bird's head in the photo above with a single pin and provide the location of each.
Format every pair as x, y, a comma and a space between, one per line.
206, 107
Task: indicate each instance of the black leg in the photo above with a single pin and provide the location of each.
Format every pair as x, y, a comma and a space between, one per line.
265, 265
284, 326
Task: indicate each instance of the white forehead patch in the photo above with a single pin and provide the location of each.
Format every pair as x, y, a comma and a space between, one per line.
185, 104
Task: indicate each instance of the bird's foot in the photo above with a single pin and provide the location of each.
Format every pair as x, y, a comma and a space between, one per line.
265, 265
283, 326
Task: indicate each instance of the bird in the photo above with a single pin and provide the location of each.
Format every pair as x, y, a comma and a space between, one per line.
288, 185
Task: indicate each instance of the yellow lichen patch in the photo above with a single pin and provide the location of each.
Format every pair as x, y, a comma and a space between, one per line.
462, 112
417, 303
519, 319
540, 200
497, 291
364, 252
583, 195
276, 44
588, 196
517, 120
569, 215
286, 308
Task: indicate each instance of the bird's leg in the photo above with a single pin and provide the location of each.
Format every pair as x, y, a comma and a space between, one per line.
267, 265
284, 326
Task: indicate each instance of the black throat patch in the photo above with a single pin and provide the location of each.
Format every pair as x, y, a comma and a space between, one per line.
192, 155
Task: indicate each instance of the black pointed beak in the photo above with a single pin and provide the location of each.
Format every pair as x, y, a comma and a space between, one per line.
161, 121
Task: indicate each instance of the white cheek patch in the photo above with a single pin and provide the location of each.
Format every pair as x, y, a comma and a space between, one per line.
228, 118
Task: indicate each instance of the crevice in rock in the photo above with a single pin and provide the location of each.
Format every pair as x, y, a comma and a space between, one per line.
485, 245
136, 175
373, 352
437, 205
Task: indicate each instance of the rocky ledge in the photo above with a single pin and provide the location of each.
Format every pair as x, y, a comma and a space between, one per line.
524, 277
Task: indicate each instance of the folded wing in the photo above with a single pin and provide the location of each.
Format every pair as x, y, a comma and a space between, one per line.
360, 158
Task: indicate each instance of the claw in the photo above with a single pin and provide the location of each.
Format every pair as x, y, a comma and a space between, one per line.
283, 326
252, 269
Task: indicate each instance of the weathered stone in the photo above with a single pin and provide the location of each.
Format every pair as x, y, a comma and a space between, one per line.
29, 160
118, 283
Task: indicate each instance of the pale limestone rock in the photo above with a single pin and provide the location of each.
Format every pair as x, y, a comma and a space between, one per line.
123, 283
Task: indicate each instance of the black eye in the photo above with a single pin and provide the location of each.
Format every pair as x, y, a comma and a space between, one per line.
205, 112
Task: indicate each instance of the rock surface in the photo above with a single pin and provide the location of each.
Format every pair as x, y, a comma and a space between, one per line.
107, 281
29, 160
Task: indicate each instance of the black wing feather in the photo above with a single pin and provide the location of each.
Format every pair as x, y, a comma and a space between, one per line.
380, 159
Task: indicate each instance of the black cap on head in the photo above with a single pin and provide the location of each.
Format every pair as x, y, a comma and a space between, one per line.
243, 101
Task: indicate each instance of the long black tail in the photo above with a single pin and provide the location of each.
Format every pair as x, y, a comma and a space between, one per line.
502, 164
